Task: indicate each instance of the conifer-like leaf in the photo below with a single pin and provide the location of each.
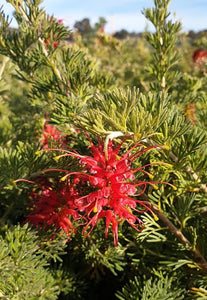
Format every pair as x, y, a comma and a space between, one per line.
23, 268
126, 110
157, 289
153, 232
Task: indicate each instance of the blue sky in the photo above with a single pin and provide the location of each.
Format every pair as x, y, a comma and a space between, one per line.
123, 14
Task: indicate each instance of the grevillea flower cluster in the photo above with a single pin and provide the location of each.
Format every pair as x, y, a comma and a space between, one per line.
52, 136
200, 57
105, 189
52, 206
47, 38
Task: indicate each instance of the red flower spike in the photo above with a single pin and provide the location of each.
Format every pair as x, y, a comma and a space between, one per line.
47, 41
53, 206
107, 188
112, 176
200, 57
50, 136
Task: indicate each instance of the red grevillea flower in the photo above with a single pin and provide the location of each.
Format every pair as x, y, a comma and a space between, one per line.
52, 206
47, 39
111, 190
51, 135
200, 57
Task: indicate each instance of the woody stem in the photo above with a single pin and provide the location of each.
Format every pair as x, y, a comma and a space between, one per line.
180, 236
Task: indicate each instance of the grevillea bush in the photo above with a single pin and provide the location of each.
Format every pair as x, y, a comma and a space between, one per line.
102, 159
